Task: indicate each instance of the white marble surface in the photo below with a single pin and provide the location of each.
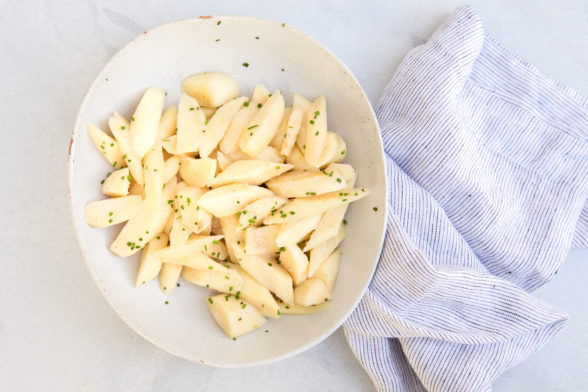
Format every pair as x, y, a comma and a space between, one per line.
56, 331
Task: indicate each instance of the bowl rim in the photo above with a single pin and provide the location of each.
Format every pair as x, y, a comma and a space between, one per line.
72, 146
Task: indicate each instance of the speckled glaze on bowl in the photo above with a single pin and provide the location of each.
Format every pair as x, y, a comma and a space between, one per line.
282, 58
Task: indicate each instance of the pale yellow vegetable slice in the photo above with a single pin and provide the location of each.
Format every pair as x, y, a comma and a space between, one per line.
278, 139
316, 131
303, 310
297, 183
196, 244
229, 199
251, 172
238, 155
211, 89
327, 227
217, 126
334, 149
295, 124
179, 234
107, 146
235, 317
254, 213
194, 218
168, 123
108, 212
293, 259
170, 144
307, 206
226, 281
168, 277
319, 254
294, 231
311, 292
297, 159
262, 129
150, 265
191, 121
166, 213
234, 237
117, 183
172, 165
328, 270
223, 160
344, 171
208, 112
145, 127
154, 167
254, 293
119, 127
270, 154
260, 94
261, 241
267, 272
198, 172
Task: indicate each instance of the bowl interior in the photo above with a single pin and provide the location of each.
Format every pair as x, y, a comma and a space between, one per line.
282, 58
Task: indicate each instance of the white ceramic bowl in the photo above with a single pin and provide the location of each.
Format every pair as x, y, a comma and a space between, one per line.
163, 57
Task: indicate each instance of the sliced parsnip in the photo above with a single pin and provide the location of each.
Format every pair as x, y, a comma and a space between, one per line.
217, 126
297, 159
172, 165
344, 171
179, 234
334, 149
262, 129
316, 131
165, 213
225, 280
154, 167
119, 127
229, 199
251, 172
198, 172
295, 124
191, 121
170, 144
136, 189
319, 254
208, 112
327, 227
202, 262
117, 184
303, 310
168, 124
256, 294
234, 237
196, 244
328, 270
261, 241
168, 276
270, 154
297, 183
235, 317
145, 127
107, 146
307, 206
260, 94
108, 212
294, 260
223, 160
150, 265
294, 231
279, 137
239, 155
254, 213
267, 272
193, 217
211, 89
311, 292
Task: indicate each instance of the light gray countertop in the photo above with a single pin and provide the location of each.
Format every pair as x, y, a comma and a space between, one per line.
56, 331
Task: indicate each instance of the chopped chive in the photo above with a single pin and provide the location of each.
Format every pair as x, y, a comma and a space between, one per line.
339, 180
253, 126
311, 121
192, 108
123, 127
259, 105
209, 299
218, 39
219, 22
344, 222
375, 208
256, 37
245, 104
245, 65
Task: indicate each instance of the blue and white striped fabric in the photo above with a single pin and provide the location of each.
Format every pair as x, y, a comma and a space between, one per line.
488, 168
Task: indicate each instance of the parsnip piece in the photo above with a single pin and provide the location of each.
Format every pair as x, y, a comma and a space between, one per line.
254, 213
279, 137
262, 129
328, 270
297, 159
154, 171
327, 227
294, 260
270, 154
223, 160
172, 165
208, 112
107, 146
254, 293
170, 144
150, 265
307, 206
294, 231
211, 89
261, 241
316, 131
217, 126
229, 199
165, 213
196, 244
225, 281
344, 171
168, 277
194, 218
179, 234
234, 237
108, 212
334, 149
303, 310
235, 317
319, 254
267, 272
119, 127
311, 292
295, 124
297, 183
251, 172
191, 121
168, 123
198, 172
145, 127
117, 184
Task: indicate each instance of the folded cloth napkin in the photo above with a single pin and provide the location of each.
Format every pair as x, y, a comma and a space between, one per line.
488, 174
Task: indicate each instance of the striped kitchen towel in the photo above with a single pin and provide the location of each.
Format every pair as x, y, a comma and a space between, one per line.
488, 173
